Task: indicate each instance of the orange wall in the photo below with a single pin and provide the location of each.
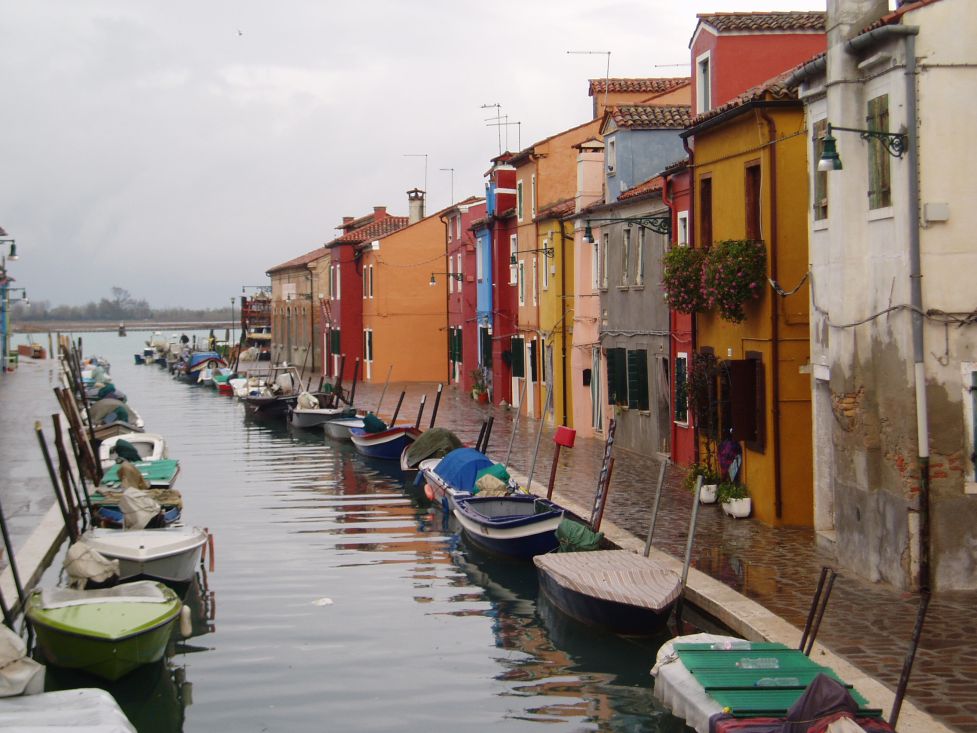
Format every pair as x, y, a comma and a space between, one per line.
409, 316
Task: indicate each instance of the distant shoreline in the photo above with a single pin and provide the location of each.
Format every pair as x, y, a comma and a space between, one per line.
79, 326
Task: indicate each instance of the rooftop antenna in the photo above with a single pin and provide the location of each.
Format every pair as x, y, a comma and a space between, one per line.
607, 74
498, 116
420, 155
662, 66
504, 122
452, 170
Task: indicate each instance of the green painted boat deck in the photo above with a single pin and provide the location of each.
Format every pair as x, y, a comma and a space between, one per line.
728, 677
156, 473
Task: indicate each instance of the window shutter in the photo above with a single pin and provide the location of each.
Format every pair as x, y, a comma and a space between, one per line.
681, 401
746, 401
637, 376
518, 357
617, 377
611, 371
533, 370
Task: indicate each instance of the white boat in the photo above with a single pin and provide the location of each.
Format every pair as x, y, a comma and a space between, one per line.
340, 429
67, 711
170, 555
150, 446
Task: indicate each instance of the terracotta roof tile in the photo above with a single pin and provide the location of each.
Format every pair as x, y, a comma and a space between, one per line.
896, 15
795, 20
646, 187
651, 116
651, 85
300, 261
373, 230
772, 89
556, 210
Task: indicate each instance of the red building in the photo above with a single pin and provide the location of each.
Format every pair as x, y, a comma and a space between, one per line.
342, 322
461, 269
733, 52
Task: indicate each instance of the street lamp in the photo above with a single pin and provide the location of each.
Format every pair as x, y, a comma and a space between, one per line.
232, 321
455, 275
895, 144
658, 224
547, 252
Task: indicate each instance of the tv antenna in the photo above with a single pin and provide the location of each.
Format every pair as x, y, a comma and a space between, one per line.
498, 116
420, 155
607, 73
452, 170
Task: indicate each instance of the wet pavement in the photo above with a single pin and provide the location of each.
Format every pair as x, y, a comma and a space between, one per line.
868, 624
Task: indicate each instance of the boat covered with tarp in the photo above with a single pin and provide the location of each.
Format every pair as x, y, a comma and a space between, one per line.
434, 443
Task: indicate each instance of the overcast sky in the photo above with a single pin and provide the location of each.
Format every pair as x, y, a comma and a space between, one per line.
180, 149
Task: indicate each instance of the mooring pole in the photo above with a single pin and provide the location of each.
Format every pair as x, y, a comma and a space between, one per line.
18, 586
393, 420
437, 402
68, 525
688, 553
420, 411
654, 508
907, 666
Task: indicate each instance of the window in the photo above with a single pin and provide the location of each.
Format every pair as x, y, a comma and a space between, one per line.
461, 277
682, 233
625, 257
703, 84
820, 177
334, 343
367, 344
485, 346
617, 377
595, 265
611, 156
522, 282
705, 212
454, 344
518, 351
639, 270
604, 242
879, 174
532, 192
744, 416
451, 274
479, 265
533, 367
339, 290
596, 407
681, 400
513, 250
520, 203
368, 281
546, 267
753, 180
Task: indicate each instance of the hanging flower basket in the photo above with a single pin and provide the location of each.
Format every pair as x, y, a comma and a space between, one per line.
682, 279
734, 273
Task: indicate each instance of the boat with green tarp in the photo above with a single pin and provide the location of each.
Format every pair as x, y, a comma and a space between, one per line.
158, 474
107, 632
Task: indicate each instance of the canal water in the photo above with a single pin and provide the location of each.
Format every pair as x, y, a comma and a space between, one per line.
339, 602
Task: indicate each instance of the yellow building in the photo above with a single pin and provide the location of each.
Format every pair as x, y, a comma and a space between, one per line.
750, 183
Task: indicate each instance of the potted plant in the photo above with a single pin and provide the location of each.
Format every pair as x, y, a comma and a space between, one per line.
735, 499
682, 279
733, 273
710, 481
479, 384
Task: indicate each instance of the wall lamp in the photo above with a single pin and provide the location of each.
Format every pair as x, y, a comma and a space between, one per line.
547, 252
24, 299
456, 275
894, 142
658, 224
13, 248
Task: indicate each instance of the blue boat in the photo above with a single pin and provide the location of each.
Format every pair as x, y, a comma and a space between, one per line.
519, 526
453, 476
197, 362
387, 444
112, 517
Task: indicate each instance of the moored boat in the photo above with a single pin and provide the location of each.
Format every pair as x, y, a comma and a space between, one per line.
168, 555
159, 474
452, 477
617, 590
387, 444
518, 526
149, 446
107, 632
340, 429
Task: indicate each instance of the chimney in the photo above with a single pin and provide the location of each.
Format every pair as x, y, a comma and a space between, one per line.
415, 202
379, 212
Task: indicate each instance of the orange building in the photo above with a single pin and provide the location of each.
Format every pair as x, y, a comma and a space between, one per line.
654, 90
404, 315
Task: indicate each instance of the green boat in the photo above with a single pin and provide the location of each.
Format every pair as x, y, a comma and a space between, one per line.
107, 632
158, 474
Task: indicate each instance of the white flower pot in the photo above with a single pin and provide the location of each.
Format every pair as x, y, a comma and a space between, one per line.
738, 508
707, 493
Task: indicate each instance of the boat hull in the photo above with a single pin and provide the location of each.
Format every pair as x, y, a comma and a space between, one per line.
618, 618
340, 429
386, 445
516, 531
313, 418
75, 637
169, 555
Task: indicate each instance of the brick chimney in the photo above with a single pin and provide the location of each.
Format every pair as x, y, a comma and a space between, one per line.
415, 202
379, 212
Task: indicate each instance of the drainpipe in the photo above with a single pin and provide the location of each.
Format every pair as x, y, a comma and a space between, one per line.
855, 46
671, 422
447, 298
563, 317
692, 233
778, 498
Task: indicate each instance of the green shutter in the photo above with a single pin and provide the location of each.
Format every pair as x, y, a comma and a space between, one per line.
681, 392
334, 346
637, 379
617, 377
518, 348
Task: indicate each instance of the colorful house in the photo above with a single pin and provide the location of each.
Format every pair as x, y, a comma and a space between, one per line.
295, 319
545, 178
461, 268
342, 306
750, 183
893, 344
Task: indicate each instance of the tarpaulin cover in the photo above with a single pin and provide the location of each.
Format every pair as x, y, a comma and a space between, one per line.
373, 424
127, 451
83, 563
19, 674
576, 537
433, 443
99, 410
497, 470
461, 467
138, 508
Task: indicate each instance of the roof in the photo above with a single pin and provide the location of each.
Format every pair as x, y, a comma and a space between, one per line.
373, 230
678, 165
300, 261
774, 89
651, 116
523, 155
779, 21
642, 189
896, 15
650, 85
557, 210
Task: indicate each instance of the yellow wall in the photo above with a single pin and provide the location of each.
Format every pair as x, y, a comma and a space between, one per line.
409, 316
722, 153
550, 313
